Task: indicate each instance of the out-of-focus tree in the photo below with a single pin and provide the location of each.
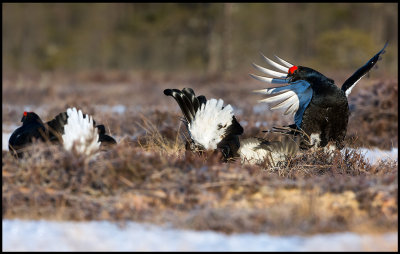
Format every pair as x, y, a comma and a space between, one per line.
207, 38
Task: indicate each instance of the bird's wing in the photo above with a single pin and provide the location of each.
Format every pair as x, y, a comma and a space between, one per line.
281, 93
362, 71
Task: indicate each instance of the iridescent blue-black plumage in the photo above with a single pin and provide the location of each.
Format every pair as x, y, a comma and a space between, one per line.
320, 108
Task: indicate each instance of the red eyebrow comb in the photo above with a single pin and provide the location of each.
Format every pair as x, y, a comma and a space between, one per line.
25, 113
292, 69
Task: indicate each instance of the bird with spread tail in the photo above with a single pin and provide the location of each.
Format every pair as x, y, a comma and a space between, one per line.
72, 128
213, 126
320, 108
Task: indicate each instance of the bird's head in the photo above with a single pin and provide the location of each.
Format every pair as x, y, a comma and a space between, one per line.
29, 117
305, 73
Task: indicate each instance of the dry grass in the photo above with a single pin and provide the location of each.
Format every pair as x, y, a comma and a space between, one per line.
155, 180
149, 176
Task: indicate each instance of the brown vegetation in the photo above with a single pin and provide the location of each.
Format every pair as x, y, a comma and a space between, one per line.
130, 182
149, 177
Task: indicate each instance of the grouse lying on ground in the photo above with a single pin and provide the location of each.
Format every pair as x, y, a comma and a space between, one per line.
320, 108
71, 128
213, 126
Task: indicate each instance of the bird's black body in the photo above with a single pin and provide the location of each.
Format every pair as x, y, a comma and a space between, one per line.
105, 139
326, 116
56, 127
32, 129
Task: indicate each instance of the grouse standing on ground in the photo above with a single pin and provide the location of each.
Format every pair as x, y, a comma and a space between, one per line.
320, 108
212, 126
71, 128
32, 128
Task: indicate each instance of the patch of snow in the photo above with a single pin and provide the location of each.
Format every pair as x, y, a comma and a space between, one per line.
29, 235
259, 124
375, 155
260, 108
118, 109
6, 137
244, 123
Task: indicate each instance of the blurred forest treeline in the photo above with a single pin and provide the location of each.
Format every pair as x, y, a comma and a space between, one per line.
205, 38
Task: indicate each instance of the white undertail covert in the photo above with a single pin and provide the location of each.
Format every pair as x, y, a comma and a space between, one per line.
80, 133
210, 123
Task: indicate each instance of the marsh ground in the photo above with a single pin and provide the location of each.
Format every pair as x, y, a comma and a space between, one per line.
148, 176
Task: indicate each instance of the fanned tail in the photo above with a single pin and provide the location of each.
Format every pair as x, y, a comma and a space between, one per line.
80, 134
187, 101
208, 121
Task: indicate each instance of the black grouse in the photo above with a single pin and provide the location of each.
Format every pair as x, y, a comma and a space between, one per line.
71, 128
212, 126
320, 108
32, 129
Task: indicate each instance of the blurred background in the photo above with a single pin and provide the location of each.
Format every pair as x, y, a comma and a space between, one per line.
205, 39
117, 58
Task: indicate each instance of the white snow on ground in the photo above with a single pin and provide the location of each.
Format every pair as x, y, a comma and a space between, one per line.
21, 235
5, 138
374, 155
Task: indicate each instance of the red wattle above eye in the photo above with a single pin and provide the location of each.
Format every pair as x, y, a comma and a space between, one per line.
292, 69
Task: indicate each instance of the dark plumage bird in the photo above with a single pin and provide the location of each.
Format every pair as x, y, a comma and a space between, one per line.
32, 129
320, 108
70, 128
212, 126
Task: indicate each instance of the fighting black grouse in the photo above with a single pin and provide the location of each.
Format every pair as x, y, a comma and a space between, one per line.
320, 108
212, 126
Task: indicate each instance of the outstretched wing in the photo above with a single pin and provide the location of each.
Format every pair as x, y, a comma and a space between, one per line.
282, 93
362, 71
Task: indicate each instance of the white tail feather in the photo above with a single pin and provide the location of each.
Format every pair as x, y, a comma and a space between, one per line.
276, 65
284, 62
80, 133
293, 98
270, 72
210, 123
270, 80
